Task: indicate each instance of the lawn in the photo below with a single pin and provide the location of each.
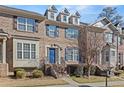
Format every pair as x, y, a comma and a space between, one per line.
117, 86
7, 82
93, 79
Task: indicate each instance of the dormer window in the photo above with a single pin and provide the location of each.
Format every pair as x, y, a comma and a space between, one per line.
76, 20
64, 18
52, 15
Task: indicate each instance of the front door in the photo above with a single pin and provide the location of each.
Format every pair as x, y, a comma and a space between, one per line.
52, 55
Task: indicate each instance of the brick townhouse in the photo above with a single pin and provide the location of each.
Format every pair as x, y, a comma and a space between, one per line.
114, 37
27, 37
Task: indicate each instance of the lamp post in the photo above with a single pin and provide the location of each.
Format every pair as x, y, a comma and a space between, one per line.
108, 74
106, 80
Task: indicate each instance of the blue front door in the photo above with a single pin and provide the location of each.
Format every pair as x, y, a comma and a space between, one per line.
52, 55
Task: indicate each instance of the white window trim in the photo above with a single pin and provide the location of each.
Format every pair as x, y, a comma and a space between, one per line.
68, 37
73, 55
26, 24
55, 31
23, 51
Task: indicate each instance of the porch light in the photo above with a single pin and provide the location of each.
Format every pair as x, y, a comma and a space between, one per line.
57, 46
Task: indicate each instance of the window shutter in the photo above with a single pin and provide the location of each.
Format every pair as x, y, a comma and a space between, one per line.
65, 33
66, 54
113, 40
47, 30
47, 54
36, 26
57, 31
15, 22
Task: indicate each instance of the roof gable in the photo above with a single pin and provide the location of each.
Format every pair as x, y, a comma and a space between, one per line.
52, 8
106, 24
77, 14
65, 11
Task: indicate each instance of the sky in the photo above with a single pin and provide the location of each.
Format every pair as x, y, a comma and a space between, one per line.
89, 13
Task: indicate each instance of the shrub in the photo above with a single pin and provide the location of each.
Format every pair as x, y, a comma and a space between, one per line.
118, 72
79, 71
20, 73
92, 70
37, 73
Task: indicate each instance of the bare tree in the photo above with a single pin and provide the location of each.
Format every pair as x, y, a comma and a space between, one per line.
90, 42
112, 14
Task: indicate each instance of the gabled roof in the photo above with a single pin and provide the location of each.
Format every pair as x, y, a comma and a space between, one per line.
52, 8
76, 14
109, 25
20, 12
65, 11
110, 45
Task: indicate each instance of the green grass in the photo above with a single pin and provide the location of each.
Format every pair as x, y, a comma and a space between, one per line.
93, 79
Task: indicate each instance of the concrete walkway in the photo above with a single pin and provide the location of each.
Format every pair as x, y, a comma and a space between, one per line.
96, 84
70, 81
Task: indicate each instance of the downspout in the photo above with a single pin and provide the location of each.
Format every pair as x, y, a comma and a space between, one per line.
117, 50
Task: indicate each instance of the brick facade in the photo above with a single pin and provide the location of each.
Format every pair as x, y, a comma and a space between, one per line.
7, 24
3, 70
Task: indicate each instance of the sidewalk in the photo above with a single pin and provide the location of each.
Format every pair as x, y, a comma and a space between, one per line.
102, 84
97, 84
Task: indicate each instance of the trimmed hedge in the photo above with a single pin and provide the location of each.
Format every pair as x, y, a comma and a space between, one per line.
19, 73
37, 73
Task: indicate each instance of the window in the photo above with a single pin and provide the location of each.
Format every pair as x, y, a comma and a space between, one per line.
120, 40
19, 50
122, 30
76, 54
33, 51
113, 53
71, 33
107, 55
52, 31
108, 37
76, 20
64, 18
26, 51
26, 24
72, 54
52, 15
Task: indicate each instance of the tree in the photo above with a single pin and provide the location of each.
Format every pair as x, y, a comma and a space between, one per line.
112, 14
91, 43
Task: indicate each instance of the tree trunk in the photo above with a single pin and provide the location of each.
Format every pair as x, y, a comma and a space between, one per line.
88, 71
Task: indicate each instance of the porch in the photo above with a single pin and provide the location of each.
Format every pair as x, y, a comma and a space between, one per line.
3, 64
